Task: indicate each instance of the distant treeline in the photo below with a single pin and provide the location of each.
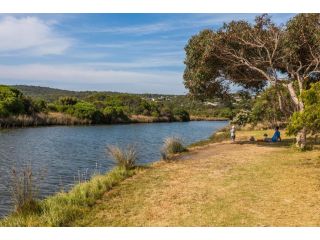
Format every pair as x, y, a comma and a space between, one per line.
28, 106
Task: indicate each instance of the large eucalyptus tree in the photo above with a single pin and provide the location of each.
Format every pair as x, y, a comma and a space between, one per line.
253, 56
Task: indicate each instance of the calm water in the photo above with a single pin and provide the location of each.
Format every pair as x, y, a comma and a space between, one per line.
65, 154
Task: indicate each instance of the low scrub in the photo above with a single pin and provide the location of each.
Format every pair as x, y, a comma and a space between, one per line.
64, 207
172, 145
124, 157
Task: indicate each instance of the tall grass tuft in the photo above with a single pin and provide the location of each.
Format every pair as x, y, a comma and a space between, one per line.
24, 189
172, 145
124, 157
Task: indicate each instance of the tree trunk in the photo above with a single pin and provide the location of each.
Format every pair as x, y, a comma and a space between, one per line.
301, 139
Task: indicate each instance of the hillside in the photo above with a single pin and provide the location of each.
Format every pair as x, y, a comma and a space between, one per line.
52, 94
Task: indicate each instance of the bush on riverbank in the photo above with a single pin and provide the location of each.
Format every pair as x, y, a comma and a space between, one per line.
124, 157
172, 145
64, 207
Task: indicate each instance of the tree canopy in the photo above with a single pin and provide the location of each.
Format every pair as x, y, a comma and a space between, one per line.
255, 55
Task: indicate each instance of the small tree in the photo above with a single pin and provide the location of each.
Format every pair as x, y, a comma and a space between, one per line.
11, 101
309, 118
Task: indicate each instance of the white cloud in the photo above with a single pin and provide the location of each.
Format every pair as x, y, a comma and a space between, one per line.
89, 78
30, 35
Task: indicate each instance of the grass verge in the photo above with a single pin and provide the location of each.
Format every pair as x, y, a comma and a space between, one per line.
224, 184
64, 207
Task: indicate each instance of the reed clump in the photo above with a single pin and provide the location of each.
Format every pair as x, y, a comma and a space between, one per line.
124, 157
24, 189
172, 145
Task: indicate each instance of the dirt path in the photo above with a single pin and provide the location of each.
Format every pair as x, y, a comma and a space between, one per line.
221, 184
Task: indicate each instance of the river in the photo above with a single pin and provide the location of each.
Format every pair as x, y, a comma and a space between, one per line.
63, 155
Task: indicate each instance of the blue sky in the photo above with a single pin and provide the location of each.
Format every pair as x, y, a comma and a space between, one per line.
137, 53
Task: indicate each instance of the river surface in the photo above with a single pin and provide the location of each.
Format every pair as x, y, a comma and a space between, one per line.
61, 156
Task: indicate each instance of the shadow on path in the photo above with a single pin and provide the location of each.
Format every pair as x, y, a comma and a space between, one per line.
285, 143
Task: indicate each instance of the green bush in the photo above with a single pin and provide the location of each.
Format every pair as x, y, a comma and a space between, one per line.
85, 110
242, 118
68, 100
167, 112
114, 114
309, 118
181, 115
11, 101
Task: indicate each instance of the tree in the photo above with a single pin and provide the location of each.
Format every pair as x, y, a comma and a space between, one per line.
309, 118
266, 109
11, 101
302, 58
253, 56
85, 110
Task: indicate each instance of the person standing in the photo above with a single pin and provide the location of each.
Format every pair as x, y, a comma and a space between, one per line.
233, 133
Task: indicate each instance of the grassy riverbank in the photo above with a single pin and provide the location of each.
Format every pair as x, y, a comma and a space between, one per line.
213, 184
63, 208
220, 184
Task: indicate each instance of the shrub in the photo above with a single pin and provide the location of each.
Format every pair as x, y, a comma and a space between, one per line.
85, 110
68, 100
124, 157
114, 114
242, 118
172, 145
167, 112
11, 101
309, 118
182, 115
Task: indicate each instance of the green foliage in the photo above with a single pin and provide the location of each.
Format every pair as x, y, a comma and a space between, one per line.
242, 118
68, 100
167, 112
64, 207
11, 101
114, 114
309, 118
181, 115
85, 110
266, 106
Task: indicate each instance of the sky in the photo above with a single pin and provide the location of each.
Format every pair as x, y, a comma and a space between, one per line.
135, 53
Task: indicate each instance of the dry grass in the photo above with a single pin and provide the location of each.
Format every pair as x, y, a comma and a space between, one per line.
171, 146
221, 184
205, 118
41, 119
123, 157
147, 119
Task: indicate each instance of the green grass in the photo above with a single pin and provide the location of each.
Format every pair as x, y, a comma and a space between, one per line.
219, 136
65, 207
